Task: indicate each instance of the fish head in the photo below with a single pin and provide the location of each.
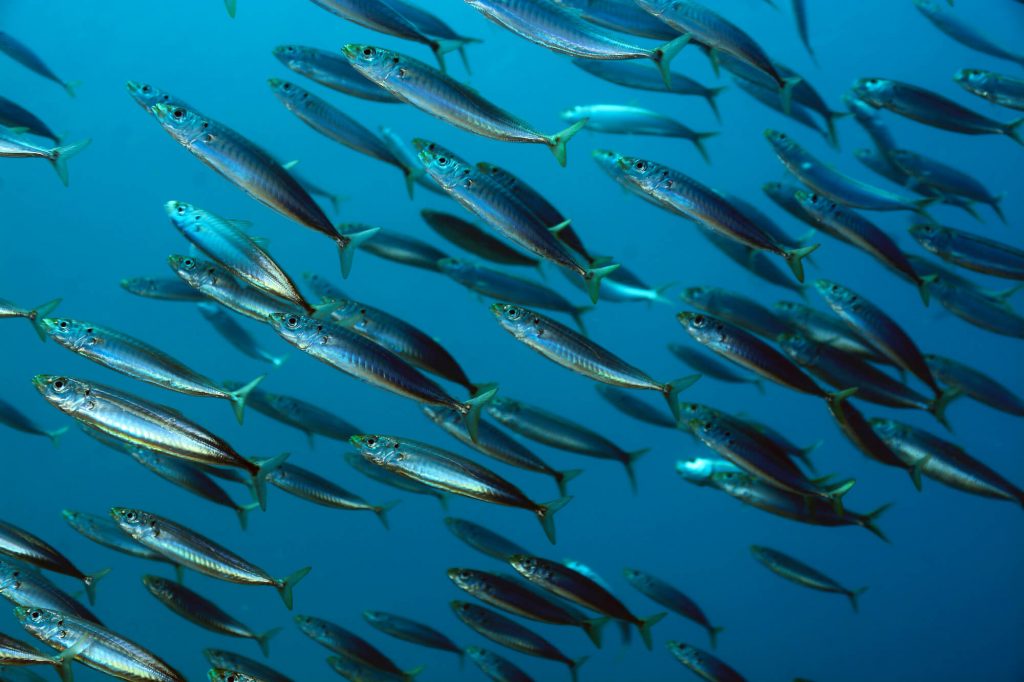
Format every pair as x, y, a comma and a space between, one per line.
789, 309
816, 205
197, 273
314, 628
703, 328
975, 79
478, 655
573, 114
184, 215
697, 296
148, 96
782, 143
290, 54
140, 286
608, 161
186, 125
137, 523
503, 409
698, 470
799, 348
647, 175
778, 192
515, 319
66, 394
323, 287
690, 656
690, 411
159, 587
465, 610
350, 314
440, 415
380, 450
376, 617
877, 92
376, 63
529, 567
887, 429
291, 95
45, 624
836, 295
469, 580
444, 167
10, 578
71, 334
927, 6
929, 235
459, 270
224, 675
299, 330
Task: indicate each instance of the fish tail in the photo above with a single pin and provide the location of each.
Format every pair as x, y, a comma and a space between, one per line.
577, 316
440, 47
382, 512
854, 595
794, 258
593, 628
922, 287
231, 6
1013, 130
557, 142
938, 406
698, 142
664, 55
243, 513
336, 201
39, 313
546, 515
574, 666
786, 92
90, 580
830, 121
645, 625
264, 641
259, 477
484, 395
837, 492
920, 206
1005, 295
968, 207
593, 277
716, 63
759, 385
563, 477
64, 659
672, 389
347, 245
70, 86
631, 458
869, 521
276, 360
413, 672
56, 434
286, 585
915, 473
711, 95
998, 208
713, 633
659, 293
410, 180
442, 500
239, 396
59, 157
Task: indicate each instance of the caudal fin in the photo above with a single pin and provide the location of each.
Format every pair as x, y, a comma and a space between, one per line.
485, 393
794, 258
40, 313
563, 477
556, 143
711, 95
664, 55
593, 628
713, 633
698, 142
837, 492
938, 406
1013, 130
238, 397
645, 626
672, 389
854, 595
786, 92
56, 434
442, 47
285, 587
869, 521
995, 204
546, 515
264, 641
259, 479
382, 513
593, 279
243, 513
347, 245
631, 458
231, 6
574, 666
59, 157
90, 582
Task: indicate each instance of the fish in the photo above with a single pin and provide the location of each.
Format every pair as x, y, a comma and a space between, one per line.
623, 286
797, 111
857, 429
521, 599
509, 633
14, 145
430, 90
755, 262
784, 444
386, 16
704, 26
363, 359
971, 251
476, 191
191, 550
454, 474
630, 74
975, 384
16, 653
34, 315
389, 478
405, 250
231, 247
736, 309
475, 240
944, 179
1005, 91
881, 330
243, 665
24, 546
750, 433
824, 328
332, 71
222, 675
347, 643
482, 539
19, 421
407, 154
634, 407
931, 108
162, 289
664, 594
237, 336
622, 119
131, 419
22, 585
879, 162
353, 669
684, 196
409, 630
569, 584
26, 56
13, 115
105, 651
336, 125
302, 415
252, 170
976, 307
800, 15
317, 489
433, 25
103, 531
623, 17
800, 573
869, 118
496, 668
849, 226
314, 189
945, 462
573, 351
964, 33
499, 285
837, 186
135, 358
783, 195
552, 430
703, 664
706, 364
203, 612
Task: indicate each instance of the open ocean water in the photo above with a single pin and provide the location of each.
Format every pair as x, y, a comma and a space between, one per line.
945, 602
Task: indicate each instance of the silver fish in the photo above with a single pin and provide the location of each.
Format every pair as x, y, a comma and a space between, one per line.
409, 630
624, 119
22, 585
944, 178
996, 88
162, 289
19, 421
27, 57
235, 334
35, 316
309, 486
641, 77
103, 531
800, 573
975, 384
332, 71
25, 546
947, 21
703, 664
239, 664
971, 251
13, 145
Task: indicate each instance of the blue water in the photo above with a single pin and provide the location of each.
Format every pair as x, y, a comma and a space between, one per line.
945, 600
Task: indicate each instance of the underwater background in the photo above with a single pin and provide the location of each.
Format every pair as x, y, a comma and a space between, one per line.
945, 601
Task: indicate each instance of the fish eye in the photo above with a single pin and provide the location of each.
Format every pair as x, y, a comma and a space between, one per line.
63, 324
371, 441
178, 113
36, 615
188, 262
286, 86
292, 322
699, 321
130, 516
394, 60
442, 161
146, 88
367, 51
640, 166
60, 385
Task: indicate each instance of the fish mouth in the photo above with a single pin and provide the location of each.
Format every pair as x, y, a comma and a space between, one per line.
497, 309
22, 612
41, 381
274, 82
351, 50
49, 325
